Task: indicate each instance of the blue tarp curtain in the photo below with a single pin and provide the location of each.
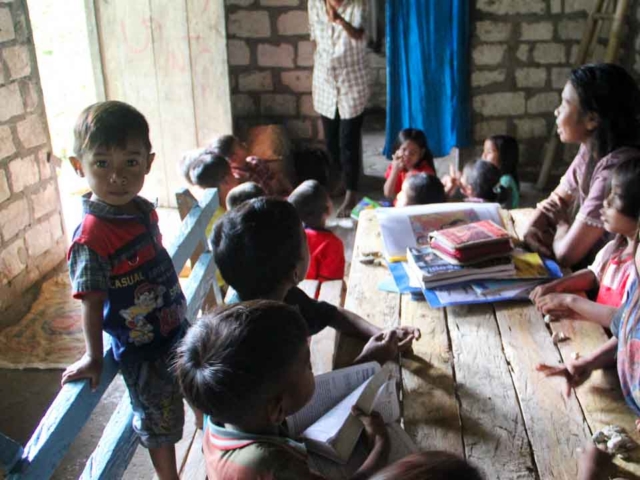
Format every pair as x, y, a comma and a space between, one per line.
427, 72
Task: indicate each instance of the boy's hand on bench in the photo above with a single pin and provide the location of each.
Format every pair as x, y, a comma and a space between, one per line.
380, 348
86, 367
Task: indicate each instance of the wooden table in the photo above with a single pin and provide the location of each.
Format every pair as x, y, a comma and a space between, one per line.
471, 386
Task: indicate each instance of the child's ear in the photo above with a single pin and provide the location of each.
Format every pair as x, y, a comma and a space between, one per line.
77, 166
150, 159
275, 410
592, 121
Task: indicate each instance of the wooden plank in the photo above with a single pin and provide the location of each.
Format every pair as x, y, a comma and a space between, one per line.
183, 447
10, 453
94, 50
521, 218
600, 397
195, 467
556, 426
493, 430
199, 284
380, 308
117, 445
323, 344
310, 287
431, 413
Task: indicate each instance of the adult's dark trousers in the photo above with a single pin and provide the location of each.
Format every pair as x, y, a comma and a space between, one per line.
344, 142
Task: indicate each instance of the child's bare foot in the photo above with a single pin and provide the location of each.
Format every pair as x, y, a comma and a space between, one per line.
350, 200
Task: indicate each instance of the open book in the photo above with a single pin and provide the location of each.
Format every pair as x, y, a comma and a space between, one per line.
329, 430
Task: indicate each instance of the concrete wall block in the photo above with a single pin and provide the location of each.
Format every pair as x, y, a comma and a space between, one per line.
30, 95
249, 24
549, 53
24, 172
241, 3
543, 102
305, 54
11, 102
5, 193
482, 130
376, 60
18, 61
38, 239
55, 227
243, 105
293, 23
45, 201
238, 52
523, 52
44, 166
13, 260
559, 77
300, 128
32, 132
382, 76
571, 6
6, 143
488, 31
6, 25
306, 106
279, 3
278, 104
13, 218
531, 77
482, 78
527, 128
255, 82
512, 7
571, 29
276, 55
536, 31
488, 54
499, 104
297, 80
320, 129
556, 6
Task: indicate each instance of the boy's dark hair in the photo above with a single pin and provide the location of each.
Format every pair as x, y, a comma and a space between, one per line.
311, 201
484, 179
224, 145
109, 124
243, 192
205, 168
509, 155
424, 189
419, 138
627, 178
235, 359
429, 466
257, 245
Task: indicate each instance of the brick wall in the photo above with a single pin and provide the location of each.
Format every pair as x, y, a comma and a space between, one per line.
32, 240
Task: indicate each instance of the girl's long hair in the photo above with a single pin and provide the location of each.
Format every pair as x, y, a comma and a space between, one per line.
419, 138
509, 155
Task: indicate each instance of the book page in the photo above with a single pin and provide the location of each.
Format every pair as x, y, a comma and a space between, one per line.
386, 402
331, 388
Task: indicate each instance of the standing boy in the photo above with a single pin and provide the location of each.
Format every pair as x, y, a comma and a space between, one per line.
125, 278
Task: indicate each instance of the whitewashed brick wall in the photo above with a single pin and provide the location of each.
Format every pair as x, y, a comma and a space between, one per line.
32, 239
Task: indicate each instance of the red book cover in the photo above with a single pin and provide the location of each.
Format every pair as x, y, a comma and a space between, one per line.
473, 254
471, 235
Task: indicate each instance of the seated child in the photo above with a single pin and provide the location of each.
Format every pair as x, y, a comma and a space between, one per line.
421, 189
261, 249
242, 193
413, 155
613, 270
125, 278
247, 367
480, 182
249, 168
503, 152
434, 465
325, 249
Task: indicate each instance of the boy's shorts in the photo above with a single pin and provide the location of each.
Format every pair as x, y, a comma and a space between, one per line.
156, 400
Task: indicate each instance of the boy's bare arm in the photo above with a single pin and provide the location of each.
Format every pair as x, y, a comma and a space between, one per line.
579, 281
90, 365
353, 324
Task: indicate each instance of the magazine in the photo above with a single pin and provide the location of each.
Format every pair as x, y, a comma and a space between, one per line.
365, 204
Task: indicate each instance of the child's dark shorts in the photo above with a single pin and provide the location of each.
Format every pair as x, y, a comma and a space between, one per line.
156, 400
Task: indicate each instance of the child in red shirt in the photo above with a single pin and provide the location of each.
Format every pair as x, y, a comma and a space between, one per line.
413, 155
326, 250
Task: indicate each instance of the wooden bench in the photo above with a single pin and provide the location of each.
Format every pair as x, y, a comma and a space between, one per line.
74, 404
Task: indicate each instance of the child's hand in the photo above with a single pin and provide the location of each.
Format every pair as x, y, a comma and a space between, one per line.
381, 348
374, 426
575, 373
558, 305
406, 336
397, 161
593, 463
541, 290
86, 367
540, 240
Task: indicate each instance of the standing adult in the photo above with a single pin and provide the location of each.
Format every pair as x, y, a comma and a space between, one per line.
340, 85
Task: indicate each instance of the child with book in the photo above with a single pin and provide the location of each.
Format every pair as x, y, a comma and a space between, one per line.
612, 270
242, 193
480, 182
261, 250
433, 465
503, 152
413, 155
125, 278
325, 249
421, 189
247, 367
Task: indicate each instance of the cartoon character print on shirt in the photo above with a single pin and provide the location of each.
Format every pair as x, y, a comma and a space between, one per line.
629, 370
147, 298
171, 318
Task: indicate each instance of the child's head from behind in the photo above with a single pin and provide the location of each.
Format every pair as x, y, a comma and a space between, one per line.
421, 189
503, 152
621, 209
414, 148
247, 364
480, 179
230, 147
243, 192
429, 466
260, 247
206, 168
112, 151
312, 203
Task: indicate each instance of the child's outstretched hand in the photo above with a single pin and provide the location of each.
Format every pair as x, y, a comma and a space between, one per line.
540, 291
593, 463
374, 426
406, 336
575, 373
382, 347
86, 367
557, 305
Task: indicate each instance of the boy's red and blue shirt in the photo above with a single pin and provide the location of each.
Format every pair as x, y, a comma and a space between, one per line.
122, 255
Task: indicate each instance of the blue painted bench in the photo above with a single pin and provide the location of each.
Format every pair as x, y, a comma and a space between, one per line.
75, 402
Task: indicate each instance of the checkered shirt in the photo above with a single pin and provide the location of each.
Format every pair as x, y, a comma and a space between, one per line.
340, 77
